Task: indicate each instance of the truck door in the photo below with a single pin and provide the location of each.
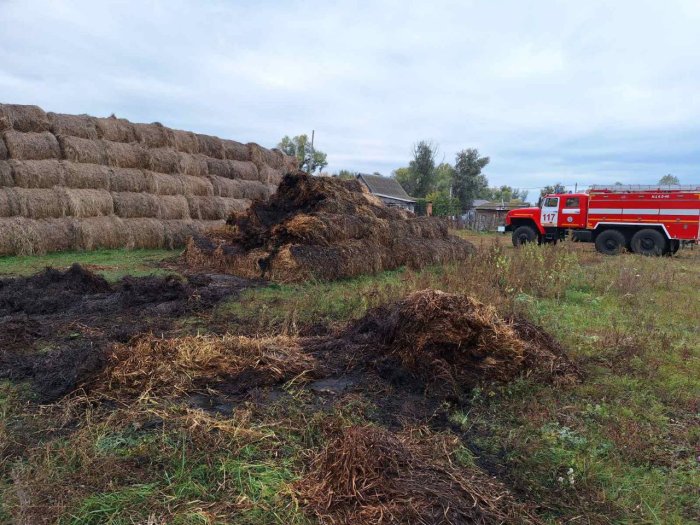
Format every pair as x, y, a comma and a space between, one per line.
572, 213
550, 212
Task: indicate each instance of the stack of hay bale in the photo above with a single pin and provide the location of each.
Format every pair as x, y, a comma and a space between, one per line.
75, 182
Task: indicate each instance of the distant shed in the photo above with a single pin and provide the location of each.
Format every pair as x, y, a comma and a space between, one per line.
389, 191
487, 216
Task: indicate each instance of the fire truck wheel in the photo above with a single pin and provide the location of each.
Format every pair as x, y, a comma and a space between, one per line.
523, 235
648, 242
610, 242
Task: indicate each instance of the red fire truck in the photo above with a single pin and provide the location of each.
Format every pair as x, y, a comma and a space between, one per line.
649, 220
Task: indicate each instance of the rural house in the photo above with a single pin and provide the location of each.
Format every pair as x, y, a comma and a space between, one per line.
388, 190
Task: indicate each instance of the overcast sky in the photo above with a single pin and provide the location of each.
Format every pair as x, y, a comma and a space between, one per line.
552, 90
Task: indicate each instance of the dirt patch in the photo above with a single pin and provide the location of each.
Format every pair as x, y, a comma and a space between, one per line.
323, 228
56, 327
367, 475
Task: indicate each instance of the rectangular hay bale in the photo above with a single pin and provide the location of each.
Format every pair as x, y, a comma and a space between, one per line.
96, 233
173, 207
164, 160
236, 151
163, 184
195, 165
185, 141
233, 169
6, 178
87, 202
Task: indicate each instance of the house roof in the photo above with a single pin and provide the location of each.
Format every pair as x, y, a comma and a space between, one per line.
385, 187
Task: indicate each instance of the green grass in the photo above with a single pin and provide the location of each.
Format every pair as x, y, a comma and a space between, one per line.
618, 447
112, 264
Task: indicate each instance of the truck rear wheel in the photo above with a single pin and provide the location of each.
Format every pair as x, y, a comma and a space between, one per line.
648, 242
523, 235
610, 242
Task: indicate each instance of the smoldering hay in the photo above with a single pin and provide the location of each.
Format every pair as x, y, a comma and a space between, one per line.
323, 228
77, 182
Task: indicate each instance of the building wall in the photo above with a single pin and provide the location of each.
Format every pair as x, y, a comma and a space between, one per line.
397, 203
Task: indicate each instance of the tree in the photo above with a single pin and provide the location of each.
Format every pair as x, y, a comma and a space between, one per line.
443, 204
557, 188
310, 159
444, 177
405, 177
469, 182
422, 167
669, 180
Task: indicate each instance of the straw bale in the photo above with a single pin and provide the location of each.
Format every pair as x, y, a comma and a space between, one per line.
122, 155
177, 233
86, 151
173, 207
164, 160
135, 205
236, 151
233, 169
6, 178
196, 186
87, 176
38, 173
87, 202
214, 208
23, 118
115, 129
270, 175
82, 126
21, 236
185, 141
226, 187
127, 179
195, 165
145, 233
31, 146
210, 146
3, 149
101, 233
154, 135
163, 184
241, 189
35, 203
266, 157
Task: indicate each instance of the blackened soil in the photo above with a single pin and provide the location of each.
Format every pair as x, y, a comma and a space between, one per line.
55, 327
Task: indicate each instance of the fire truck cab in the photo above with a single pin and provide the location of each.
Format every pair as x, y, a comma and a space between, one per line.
649, 220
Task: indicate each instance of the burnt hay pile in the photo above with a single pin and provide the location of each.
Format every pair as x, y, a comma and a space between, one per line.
76, 182
323, 228
451, 343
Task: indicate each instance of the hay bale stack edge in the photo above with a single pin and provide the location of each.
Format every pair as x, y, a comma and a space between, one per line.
77, 182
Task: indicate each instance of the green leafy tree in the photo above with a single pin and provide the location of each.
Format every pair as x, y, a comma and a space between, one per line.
422, 168
443, 204
444, 177
669, 180
556, 188
469, 183
406, 178
310, 159
506, 194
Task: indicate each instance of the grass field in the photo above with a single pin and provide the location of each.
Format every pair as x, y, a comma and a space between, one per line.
621, 446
